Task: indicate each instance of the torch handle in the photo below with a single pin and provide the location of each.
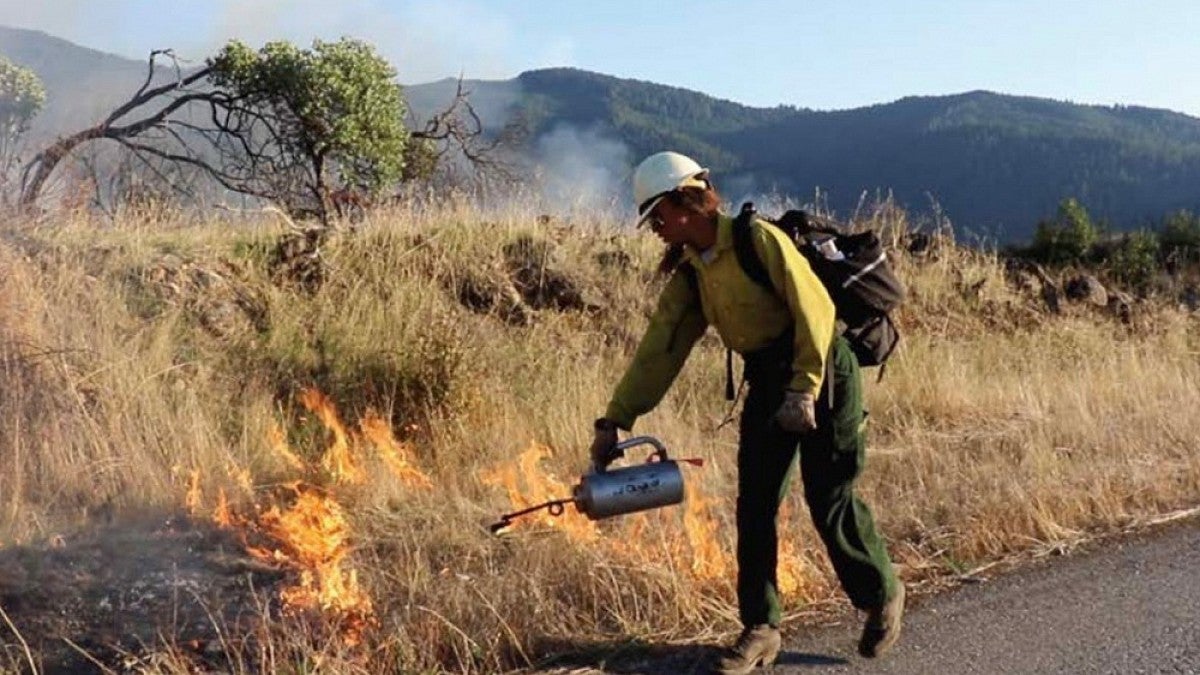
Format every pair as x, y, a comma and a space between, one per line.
659, 448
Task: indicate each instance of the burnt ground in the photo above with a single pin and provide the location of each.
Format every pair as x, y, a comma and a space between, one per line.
121, 594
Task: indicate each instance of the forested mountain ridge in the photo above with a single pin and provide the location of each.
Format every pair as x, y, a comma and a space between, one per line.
995, 163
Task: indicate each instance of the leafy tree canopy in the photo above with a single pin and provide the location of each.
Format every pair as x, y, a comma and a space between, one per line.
1068, 237
335, 107
21, 98
1181, 230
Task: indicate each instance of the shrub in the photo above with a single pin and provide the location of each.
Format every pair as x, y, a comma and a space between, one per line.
1135, 259
1068, 237
1180, 236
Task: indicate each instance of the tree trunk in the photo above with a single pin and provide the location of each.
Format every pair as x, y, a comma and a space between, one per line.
47, 160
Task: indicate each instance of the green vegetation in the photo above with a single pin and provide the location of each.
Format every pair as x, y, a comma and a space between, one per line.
316, 132
1135, 261
1162, 258
996, 164
21, 99
1068, 238
1180, 235
334, 112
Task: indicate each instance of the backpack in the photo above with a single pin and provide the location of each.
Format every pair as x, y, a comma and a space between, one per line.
853, 268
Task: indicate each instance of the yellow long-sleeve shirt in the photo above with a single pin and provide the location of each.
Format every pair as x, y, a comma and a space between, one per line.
746, 315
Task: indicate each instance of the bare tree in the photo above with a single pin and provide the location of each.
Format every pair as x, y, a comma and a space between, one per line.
148, 109
294, 127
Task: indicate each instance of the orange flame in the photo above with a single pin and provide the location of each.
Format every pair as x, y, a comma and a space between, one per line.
797, 573
311, 534
527, 484
241, 476
709, 560
277, 439
337, 460
192, 499
222, 516
314, 534
394, 453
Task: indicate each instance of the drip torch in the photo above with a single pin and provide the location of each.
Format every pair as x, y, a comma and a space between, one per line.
602, 494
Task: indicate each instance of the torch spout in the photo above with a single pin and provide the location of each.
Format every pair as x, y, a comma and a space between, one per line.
554, 506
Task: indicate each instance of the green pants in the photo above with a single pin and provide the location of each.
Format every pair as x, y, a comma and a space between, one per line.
831, 458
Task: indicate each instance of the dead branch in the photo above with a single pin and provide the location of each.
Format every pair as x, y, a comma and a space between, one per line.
458, 128
38, 170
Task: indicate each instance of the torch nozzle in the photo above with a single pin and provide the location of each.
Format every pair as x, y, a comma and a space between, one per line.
554, 506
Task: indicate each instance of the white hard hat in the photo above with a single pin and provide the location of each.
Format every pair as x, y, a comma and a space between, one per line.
661, 173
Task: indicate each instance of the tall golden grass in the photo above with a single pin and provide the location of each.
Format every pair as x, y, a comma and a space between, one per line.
997, 429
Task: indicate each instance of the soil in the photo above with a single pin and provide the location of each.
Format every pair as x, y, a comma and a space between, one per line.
125, 594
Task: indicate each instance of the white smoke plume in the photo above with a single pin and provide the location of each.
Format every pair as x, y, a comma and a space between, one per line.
580, 171
424, 39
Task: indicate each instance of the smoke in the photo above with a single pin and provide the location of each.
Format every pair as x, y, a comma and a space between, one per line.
64, 18
424, 40
582, 171
768, 196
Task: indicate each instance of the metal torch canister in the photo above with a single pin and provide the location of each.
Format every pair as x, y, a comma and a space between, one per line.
658, 482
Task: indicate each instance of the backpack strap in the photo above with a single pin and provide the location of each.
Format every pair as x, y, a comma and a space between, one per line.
752, 265
804, 223
743, 248
689, 275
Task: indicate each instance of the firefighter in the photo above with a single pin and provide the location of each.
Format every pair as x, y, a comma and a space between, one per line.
805, 398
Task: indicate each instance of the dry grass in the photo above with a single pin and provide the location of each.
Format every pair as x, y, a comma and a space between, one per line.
997, 429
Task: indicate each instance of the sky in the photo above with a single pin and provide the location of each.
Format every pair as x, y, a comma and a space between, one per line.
814, 54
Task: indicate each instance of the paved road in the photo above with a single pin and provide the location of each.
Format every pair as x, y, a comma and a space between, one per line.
1126, 606
1129, 606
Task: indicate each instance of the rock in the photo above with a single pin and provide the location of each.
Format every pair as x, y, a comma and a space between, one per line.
549, 289
542, 286
1023, 282
1086, 288
974, 290
1026, 276
296, 259
1190, 297
1031, 280
919, 243
1050, 297
485, 294
1120, 305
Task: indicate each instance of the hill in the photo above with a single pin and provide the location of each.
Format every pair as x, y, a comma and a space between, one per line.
221, 448
994, 163
82, 85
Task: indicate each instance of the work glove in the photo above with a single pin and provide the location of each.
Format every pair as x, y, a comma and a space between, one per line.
798, 414
604, 444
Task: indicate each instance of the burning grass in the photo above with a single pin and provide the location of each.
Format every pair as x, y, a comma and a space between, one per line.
351, 442
302, 526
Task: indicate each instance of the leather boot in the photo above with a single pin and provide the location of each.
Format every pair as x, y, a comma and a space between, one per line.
757, 646
882, 628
